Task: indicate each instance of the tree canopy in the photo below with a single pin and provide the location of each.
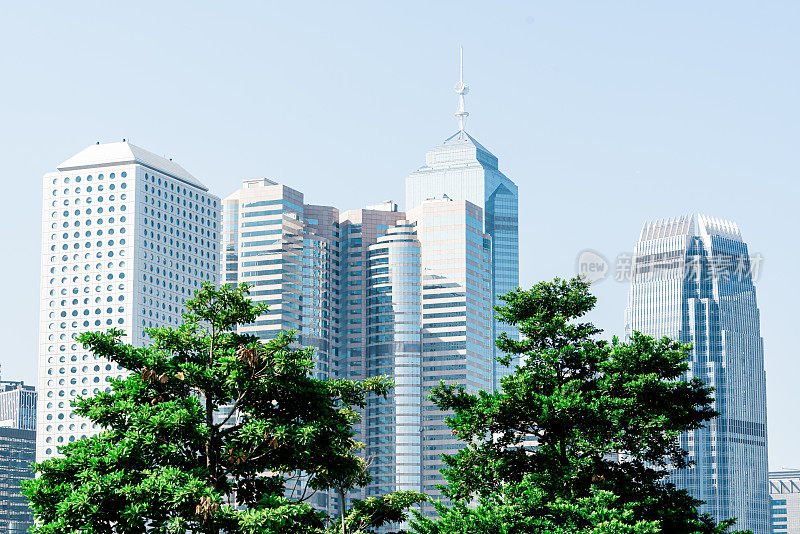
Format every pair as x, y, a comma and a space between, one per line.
211, 431
580, 438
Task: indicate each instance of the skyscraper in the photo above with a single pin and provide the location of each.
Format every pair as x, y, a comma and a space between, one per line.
692, 281
17, 453
360, 229
427, 311
457, 342
127, 237
463, 169
288, 251
392, 311
17, 405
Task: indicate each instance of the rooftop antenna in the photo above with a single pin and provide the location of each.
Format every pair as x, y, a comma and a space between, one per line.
461, 89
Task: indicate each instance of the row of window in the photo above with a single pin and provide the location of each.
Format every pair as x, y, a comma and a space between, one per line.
88, 222
89, 178
181, 190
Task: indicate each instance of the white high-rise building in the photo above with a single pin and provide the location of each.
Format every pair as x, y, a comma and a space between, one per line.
127, 238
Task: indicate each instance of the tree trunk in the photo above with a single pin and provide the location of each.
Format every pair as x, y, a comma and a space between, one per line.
341, 509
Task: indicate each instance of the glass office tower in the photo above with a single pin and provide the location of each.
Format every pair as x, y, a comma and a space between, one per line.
393, 349
429, 320
692, 281
463, 169
288, 252
457, 344
360, 229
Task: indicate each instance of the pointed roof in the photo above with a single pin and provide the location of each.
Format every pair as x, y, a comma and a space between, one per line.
452, 151
124, 153
458, 138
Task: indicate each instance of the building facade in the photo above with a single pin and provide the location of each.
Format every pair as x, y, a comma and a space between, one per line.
309, 264
692, 281
17, 454
460, 168
392, 424
428, 317
288, 252
360, 229
376, 292
17, 405
127, 237
456, 318
784, 500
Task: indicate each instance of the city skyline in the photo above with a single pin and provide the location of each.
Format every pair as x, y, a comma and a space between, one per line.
687, 116
377, 291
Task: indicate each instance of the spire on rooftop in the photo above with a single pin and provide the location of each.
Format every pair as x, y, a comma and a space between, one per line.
462, 89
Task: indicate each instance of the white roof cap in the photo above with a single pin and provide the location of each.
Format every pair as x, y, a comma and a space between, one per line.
104, 154
386, 205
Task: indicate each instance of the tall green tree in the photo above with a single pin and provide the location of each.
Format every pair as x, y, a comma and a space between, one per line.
580, 437
206, 434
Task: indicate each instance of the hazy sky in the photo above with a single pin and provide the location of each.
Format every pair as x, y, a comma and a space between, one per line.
605, 116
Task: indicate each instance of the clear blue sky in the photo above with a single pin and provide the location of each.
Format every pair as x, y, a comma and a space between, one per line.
605, 115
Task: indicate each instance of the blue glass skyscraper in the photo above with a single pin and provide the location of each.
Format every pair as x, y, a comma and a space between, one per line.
461, 168
692, 281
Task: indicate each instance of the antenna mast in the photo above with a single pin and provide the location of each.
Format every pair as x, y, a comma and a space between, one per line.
461, 89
